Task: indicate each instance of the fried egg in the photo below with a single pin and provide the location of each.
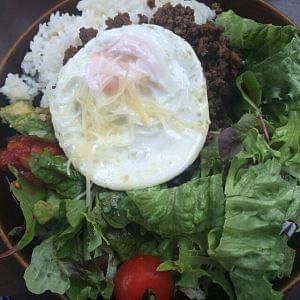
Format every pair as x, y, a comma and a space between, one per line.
130, 109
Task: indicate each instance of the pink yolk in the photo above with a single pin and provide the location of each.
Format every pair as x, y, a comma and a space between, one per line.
129, 58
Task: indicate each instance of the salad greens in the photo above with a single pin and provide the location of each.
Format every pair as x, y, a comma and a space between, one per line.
191, 208
258, 201
54, 171
27, 196
222, 227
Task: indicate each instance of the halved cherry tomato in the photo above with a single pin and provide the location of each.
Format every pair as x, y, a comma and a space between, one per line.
19, 149
139, 274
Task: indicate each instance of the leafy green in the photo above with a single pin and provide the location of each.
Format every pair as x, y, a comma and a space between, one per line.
274, 59
287, 139
245, 124
247, 34
245, 291
256, 148
210, 157
279, 74
75, 210
258, 201
250, 89
111, 207
124, 243
193, 265
45, 271
231, 139
26, 119
53, 170
81, 290
27, 195
191, 208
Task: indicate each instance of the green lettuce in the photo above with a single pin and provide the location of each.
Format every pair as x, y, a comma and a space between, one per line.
112, 209
247, 34
193, 264
26, 119
263, 288
28, 196
54, 171
46, 271
258, 201
279, 74
287, 139
210, 157
250, 89
271, 53
191, 208
75, 210
256, 149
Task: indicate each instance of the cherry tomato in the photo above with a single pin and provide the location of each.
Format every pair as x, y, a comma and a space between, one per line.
19, 149
139, 274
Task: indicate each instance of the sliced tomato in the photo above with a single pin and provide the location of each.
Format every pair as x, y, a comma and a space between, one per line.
138, 275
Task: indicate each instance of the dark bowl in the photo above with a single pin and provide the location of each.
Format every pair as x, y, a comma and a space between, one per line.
10, 215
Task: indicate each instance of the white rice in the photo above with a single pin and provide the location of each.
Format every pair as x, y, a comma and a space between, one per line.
19, 88
42, 64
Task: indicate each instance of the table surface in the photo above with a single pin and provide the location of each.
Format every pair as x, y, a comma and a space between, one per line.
17, 15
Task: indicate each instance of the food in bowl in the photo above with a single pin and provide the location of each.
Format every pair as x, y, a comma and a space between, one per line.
162, 161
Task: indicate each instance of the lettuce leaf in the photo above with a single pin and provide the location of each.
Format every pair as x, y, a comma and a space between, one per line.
245, 291
27, 196
112, 210
46, 271
256, 149
191, 208
193, 264
279, 74
287, 139
258, 201
26, 119
271, 53
75, 210
210, 157
53, 170
80, 290
250, 89
247, 34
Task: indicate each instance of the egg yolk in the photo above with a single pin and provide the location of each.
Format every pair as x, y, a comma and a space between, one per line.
130, 57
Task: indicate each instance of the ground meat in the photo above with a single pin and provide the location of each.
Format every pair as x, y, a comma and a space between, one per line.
86, 34
151, 3
175, 18
118, 21
70, 52
143, 19
220, 64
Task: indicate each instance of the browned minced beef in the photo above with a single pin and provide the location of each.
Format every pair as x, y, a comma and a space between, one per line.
70, 52
86, 34
143, 19
118, 21
151, 3
220, 63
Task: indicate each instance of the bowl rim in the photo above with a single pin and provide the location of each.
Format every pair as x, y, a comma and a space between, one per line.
7, 241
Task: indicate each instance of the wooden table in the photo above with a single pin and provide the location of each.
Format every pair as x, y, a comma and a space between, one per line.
15, 16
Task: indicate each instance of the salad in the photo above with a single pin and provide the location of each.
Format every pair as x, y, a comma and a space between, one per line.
219, 229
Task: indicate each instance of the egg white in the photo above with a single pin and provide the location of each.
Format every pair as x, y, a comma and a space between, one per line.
146, 153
